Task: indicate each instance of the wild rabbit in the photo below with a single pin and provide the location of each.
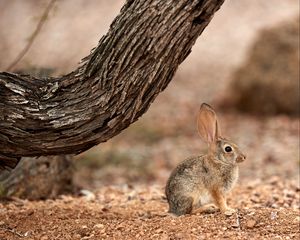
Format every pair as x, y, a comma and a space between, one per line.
198, 180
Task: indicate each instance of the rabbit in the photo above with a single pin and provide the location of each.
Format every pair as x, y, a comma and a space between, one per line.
198, 180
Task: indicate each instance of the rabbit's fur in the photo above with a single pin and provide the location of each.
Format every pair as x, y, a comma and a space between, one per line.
197, 181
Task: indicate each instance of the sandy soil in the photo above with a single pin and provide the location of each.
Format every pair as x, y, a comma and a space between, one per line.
265, 211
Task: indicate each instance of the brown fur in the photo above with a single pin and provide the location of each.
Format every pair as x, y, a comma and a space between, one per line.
209, 176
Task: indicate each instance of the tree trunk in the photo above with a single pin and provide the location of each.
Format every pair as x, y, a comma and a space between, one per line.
38, 178
112, 88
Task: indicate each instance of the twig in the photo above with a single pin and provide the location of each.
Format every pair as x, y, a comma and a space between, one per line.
238, 221
13, 231
33, 36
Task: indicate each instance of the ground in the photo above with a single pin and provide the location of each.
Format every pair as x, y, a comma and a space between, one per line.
264, 211
122, 181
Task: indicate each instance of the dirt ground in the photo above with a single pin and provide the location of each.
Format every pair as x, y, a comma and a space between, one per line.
122, 181
265, 211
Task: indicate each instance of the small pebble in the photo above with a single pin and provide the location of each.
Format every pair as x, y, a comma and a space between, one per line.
250, 223
235, 225
254, 199
273, 215
228, 213
276, 197
99, 225
88, 195
297, 219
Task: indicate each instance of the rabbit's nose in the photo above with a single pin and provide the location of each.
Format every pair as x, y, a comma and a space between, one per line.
241, 158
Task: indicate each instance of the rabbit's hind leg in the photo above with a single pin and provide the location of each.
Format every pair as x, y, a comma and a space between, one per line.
181, 205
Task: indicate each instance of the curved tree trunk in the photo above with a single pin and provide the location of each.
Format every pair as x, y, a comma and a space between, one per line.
112, 88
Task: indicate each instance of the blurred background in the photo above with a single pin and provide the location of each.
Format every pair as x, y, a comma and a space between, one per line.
245, 64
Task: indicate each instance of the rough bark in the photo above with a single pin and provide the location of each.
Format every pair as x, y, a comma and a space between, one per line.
112, 88
38, 178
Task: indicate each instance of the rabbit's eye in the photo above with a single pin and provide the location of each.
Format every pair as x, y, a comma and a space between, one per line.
228, 149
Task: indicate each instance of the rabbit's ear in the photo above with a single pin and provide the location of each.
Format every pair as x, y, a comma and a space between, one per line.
208, 124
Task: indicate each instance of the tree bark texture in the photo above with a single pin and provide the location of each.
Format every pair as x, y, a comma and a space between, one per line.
111, 89
38, 178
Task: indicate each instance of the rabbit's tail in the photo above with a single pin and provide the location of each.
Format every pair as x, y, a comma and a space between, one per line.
180, 205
